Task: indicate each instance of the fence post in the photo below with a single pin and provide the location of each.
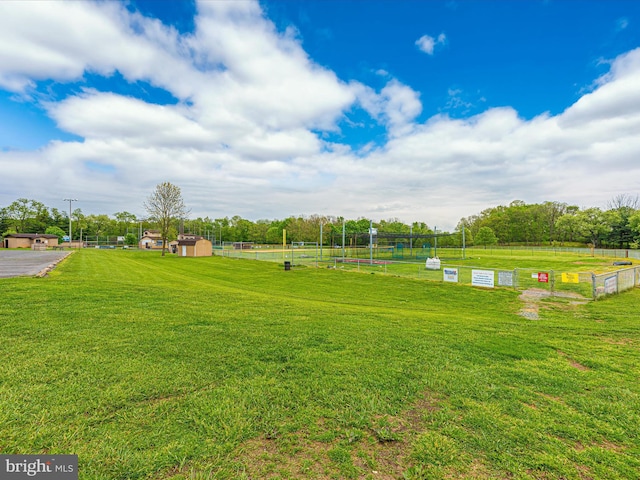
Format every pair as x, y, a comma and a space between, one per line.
552, 281
593, 286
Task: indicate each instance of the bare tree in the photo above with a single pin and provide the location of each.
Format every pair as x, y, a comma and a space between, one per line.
164, 205
624, 201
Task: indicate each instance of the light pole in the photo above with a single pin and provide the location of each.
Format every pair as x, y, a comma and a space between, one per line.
411, 241
70, 200
321, 242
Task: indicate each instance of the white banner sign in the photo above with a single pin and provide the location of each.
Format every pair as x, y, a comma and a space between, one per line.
450, 274
505, 279
611, 285
482, 278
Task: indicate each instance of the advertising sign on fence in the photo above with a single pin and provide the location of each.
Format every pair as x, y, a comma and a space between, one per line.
611, 285
450, 274
482, 278
505, 279
570, 278
543, 277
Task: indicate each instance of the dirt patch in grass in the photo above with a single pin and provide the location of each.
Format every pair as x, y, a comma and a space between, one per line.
552, 397
533, 297
381, 451
573, 363
584, 472
604, 445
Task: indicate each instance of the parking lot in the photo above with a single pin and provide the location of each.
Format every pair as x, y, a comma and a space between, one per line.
17, 263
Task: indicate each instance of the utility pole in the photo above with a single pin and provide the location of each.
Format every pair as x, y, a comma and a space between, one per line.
370, 242
463, 243
70, 200
343, 240
411, 240
435, 241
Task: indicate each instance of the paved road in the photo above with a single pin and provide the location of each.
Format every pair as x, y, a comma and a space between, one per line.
16, 263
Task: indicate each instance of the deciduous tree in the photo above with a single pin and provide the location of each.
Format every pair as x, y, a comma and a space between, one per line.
165, 205
485, 236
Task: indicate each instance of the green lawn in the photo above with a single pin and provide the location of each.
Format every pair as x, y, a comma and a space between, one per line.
152, 367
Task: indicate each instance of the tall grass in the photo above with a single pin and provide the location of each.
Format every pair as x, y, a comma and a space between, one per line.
152, 367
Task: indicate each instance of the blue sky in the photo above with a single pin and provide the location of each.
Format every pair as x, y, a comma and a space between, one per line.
417, 110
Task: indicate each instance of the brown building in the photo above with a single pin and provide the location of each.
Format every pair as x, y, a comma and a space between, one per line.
30, 240
151, 239
192, 246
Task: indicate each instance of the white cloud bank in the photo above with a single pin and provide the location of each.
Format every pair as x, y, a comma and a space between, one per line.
243, 137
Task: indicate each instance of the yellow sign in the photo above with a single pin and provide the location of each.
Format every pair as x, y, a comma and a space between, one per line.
570, 278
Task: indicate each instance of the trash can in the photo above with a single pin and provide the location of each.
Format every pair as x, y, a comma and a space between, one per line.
287, 265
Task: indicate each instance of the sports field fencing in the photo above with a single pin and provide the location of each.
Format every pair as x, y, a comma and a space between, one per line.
586, 284
615, 282
533, 250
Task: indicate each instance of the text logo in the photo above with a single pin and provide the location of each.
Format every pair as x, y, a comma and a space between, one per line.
45, 467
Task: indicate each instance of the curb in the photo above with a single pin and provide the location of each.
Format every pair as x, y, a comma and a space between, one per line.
45, 271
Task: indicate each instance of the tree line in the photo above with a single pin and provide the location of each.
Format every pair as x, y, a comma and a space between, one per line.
519, 223
556, 223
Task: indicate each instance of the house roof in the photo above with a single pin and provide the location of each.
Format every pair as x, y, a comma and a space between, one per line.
187, 242
152, 234
31, 235
191, 241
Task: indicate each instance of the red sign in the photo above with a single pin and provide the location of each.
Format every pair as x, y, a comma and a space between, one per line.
543, 277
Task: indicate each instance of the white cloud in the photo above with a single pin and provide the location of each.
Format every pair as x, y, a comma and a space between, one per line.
63, 40
395, 106
243, 136
401, 105
427, 43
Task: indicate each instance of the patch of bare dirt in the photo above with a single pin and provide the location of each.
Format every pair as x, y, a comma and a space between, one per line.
381, 452
605, 445
533, 297
573, 363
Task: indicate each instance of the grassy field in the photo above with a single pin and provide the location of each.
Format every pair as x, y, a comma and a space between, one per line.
155, 368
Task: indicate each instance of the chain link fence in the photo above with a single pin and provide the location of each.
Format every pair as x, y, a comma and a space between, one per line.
585, 284
615, 282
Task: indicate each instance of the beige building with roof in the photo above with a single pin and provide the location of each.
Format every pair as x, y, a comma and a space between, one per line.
189, 245
151, 239
30, 240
